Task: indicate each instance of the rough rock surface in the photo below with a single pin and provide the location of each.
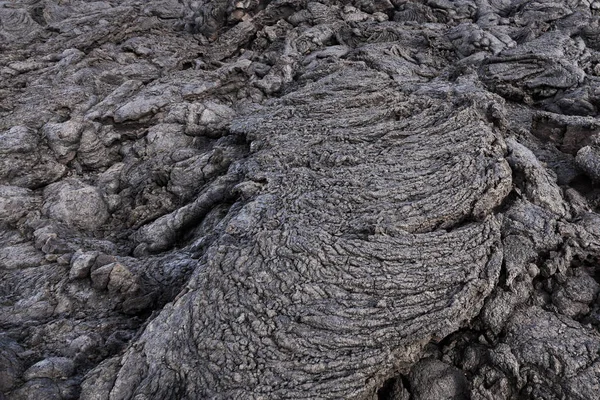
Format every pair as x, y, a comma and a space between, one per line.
290, 199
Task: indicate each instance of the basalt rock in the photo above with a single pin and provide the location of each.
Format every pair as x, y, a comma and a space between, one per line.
299, 199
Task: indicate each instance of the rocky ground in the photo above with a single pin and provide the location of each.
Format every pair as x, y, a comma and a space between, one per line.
390, 199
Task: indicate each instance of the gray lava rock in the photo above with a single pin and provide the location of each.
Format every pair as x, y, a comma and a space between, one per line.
81, 264
432, 379
11, 366
285, 199
76, 204
16, 202
22, 255
575, 297
53, 367
63, 138
18, 139
588, 159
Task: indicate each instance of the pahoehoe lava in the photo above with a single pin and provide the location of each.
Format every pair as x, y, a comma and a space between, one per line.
290, 199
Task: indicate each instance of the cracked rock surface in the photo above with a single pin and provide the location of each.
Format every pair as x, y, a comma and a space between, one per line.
290, 199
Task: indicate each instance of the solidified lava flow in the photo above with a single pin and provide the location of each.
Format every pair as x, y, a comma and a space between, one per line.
289, 199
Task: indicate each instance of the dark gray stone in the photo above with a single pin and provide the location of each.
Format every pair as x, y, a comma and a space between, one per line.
299, 199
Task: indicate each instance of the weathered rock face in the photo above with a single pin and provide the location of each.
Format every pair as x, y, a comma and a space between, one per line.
303, 200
